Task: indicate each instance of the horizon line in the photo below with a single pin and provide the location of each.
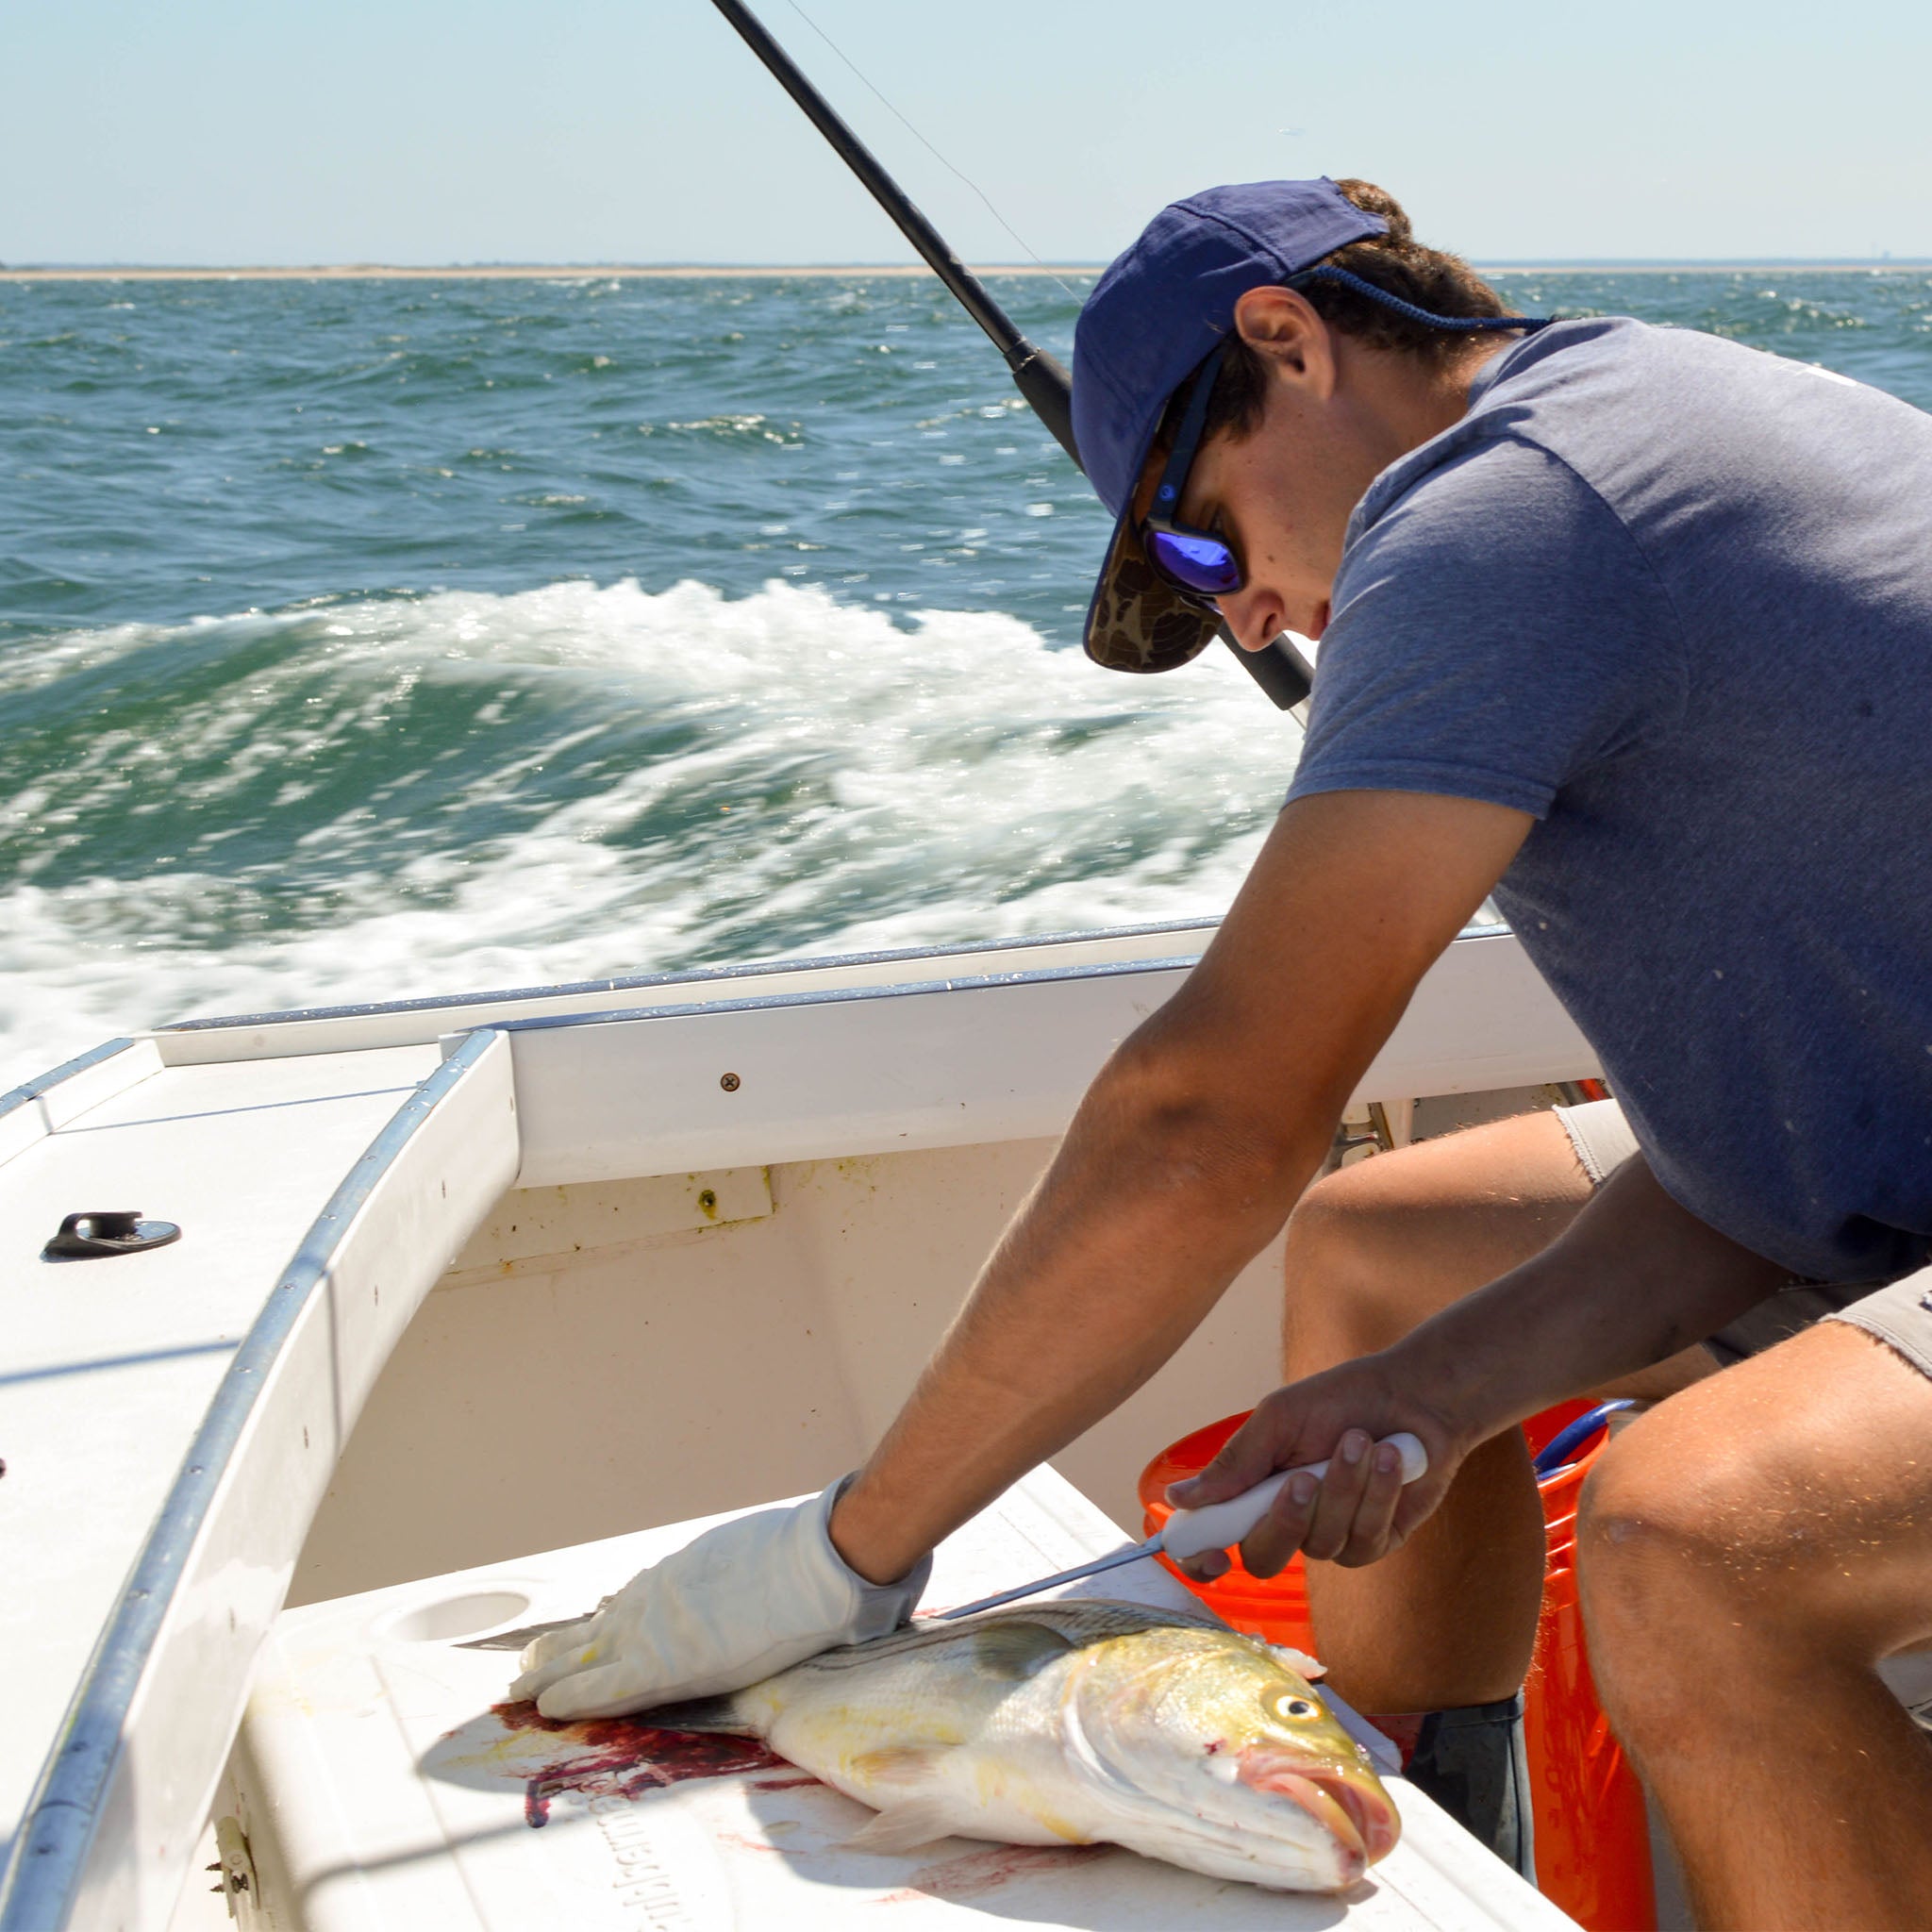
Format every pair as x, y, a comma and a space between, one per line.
36, 272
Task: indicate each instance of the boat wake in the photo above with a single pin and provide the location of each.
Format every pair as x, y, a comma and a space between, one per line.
380, 798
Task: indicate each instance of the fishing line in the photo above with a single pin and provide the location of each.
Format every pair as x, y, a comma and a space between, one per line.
929, 148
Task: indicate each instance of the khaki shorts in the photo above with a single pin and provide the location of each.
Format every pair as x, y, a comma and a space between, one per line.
1899, 1312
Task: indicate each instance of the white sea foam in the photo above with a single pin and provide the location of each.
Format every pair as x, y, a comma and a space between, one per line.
820, 779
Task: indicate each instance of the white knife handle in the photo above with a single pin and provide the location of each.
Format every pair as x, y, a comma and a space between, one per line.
1221, 1525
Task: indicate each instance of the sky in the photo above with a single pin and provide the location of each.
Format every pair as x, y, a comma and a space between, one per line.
231, 132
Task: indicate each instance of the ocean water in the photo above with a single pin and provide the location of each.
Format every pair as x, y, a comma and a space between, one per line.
364, 639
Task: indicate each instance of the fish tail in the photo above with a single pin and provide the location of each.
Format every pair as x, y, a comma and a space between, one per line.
702, 1714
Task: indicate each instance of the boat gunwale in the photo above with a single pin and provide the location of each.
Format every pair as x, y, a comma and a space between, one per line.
700, 974
40, 1881
41, 1084
898, 988
842, 995
696, 976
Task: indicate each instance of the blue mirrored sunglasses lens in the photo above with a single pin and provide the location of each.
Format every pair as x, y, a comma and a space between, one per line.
1203, 564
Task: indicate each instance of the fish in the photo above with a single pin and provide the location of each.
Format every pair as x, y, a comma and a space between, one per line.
1079, 1721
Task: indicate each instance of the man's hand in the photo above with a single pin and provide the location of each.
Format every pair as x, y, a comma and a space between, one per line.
1360, 1510
747, 1599
1633, 1279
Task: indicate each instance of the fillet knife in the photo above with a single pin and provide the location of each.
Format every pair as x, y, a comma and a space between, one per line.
1194, 1532
1186, 1533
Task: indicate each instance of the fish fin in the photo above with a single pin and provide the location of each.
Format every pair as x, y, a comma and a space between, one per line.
699, 1714
1300, 1662
903, 1826
900, 1764
1016, 1649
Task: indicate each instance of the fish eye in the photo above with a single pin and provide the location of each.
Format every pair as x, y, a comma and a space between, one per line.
1289, 1705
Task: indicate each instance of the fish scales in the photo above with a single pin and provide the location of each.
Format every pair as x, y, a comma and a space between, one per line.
1081, 1721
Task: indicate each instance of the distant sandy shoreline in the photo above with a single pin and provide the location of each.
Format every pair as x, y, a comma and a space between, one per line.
378, 272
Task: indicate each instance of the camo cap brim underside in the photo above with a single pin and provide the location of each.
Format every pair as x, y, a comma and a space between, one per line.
1137, 621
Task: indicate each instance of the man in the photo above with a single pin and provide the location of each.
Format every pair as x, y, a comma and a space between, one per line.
1630, 626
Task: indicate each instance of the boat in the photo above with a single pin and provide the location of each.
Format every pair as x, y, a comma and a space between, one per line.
319, 1326
462, 1279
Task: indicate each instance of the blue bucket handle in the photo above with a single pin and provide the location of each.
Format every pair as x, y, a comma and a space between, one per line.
1560, 1450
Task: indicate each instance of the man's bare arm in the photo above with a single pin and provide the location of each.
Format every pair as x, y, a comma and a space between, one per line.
1185, 1156
1633, 1279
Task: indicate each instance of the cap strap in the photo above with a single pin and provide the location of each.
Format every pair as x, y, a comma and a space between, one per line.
1460, 325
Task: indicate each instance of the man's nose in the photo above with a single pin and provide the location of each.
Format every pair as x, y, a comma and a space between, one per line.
1255, 617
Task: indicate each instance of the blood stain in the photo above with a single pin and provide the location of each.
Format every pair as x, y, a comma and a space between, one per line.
621, 1757
982, 1872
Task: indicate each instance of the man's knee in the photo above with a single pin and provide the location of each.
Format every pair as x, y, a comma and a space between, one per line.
1640, 1537
1346, 1270
1693, 1532
1381, 1246
1666, 1598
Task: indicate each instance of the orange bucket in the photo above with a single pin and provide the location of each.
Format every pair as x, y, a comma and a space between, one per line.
1592, 1830
1275, 1608
1592, 1834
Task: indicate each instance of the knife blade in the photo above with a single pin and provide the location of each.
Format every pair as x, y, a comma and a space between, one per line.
1186, 1533
526, 1634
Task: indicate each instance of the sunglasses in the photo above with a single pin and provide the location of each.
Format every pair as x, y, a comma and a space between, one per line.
1200, 564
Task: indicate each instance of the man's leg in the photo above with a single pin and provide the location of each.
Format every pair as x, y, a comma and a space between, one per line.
1748, 1552
1373, 1251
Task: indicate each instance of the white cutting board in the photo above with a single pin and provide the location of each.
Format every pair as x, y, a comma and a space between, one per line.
378, 1789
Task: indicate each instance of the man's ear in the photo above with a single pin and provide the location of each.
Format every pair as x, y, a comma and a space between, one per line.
1282, 328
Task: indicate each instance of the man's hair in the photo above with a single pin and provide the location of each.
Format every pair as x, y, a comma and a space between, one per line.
1394, 261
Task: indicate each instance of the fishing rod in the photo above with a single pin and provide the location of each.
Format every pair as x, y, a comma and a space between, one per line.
1039, 376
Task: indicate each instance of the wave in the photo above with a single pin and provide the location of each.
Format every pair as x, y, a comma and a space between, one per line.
389, 797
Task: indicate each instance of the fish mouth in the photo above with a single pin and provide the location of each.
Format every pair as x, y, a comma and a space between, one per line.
1352, 1807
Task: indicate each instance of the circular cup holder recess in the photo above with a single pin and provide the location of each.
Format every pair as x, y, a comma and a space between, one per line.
447, 1618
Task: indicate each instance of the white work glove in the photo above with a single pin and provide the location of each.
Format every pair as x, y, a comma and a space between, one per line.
744, 1601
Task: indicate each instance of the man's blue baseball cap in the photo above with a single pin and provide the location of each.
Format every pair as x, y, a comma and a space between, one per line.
1152, 320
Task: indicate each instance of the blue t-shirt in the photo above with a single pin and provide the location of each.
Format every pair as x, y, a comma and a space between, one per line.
1674, 597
